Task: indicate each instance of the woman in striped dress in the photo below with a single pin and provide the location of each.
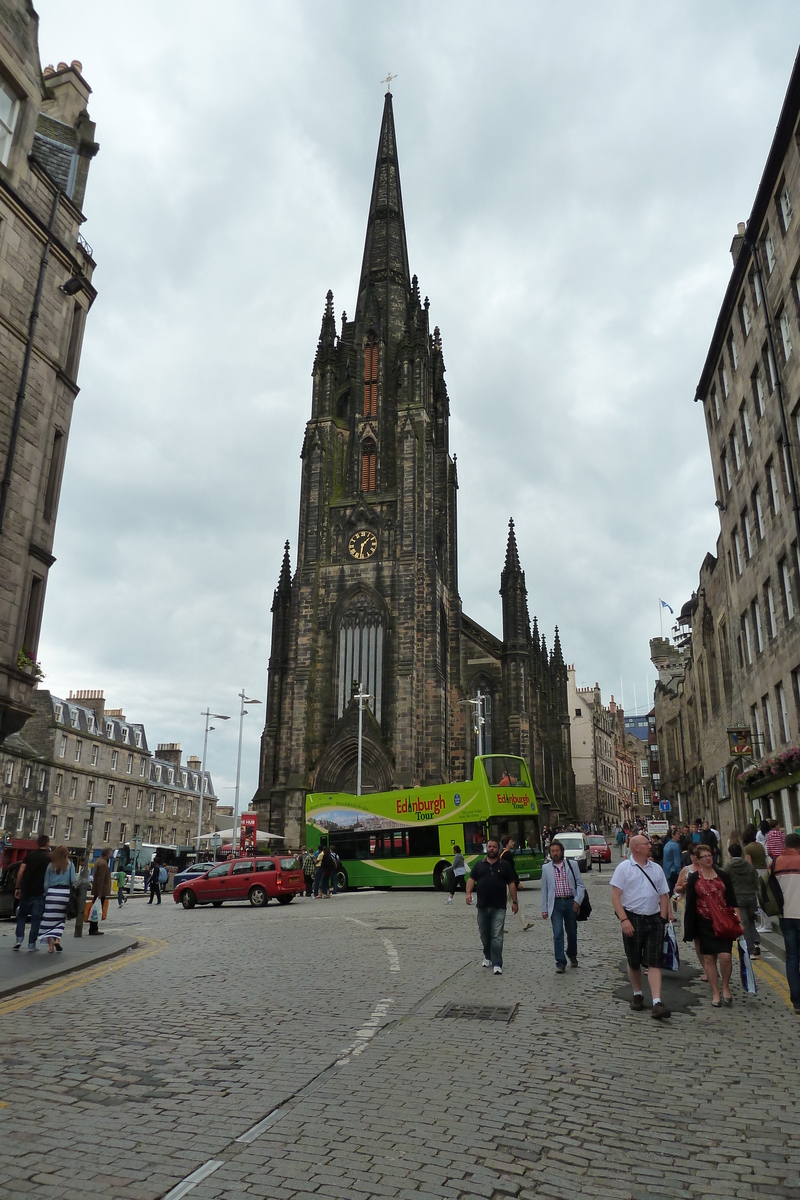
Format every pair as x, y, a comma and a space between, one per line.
59, 878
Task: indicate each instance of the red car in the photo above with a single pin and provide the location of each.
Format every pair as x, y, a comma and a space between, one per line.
258, 880
599, 848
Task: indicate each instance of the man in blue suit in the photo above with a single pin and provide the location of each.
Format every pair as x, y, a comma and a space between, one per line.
562, 893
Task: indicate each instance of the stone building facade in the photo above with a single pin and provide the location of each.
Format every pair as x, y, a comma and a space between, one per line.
374, 597
46, 146
738, 661
76, 751
594, 753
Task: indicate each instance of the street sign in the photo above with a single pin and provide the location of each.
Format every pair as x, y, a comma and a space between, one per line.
659, 827
136, 844
216, 840
664, 805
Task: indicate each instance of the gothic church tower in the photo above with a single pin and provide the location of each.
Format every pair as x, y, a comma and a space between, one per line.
374, 598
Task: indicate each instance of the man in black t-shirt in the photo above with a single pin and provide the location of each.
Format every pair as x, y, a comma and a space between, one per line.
489, 879
30, 891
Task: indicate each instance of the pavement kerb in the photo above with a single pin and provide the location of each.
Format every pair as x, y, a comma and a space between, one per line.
122, 945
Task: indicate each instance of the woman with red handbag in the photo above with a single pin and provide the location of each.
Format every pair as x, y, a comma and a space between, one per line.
713, 918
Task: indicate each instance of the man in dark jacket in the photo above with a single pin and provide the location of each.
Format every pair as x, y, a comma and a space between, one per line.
29, 891
745, 880
101, 888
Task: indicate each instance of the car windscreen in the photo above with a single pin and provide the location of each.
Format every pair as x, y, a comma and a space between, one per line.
570, 841
597, 841
290, 864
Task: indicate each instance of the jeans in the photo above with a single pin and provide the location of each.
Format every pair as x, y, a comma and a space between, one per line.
748, 911
317, 880
33, 907
790, 928
564, 915
490, 927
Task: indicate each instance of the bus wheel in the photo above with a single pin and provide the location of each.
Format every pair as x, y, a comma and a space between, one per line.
342, 882
188, 899
440, 875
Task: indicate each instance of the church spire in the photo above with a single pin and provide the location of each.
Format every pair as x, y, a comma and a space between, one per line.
384, 269
283, 592
512, 566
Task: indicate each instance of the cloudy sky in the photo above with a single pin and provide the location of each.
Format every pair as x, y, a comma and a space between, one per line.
572, 178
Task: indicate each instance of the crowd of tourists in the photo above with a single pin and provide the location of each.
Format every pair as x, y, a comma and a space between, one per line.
46, 894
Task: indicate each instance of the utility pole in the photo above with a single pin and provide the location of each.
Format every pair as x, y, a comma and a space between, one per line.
83, 883
361, 696
242, 714
217, 717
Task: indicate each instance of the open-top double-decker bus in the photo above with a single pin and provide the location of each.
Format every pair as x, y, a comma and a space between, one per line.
406, 838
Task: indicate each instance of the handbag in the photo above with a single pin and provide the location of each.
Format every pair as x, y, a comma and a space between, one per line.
670, 958
725, 923
585, 909
73, 902
746, 969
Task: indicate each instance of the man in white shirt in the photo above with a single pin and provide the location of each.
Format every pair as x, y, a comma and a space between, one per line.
640, 895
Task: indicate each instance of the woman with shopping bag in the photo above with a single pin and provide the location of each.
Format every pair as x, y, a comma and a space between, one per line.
713, 918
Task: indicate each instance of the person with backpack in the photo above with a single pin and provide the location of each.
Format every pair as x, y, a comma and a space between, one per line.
562, 893
155, 882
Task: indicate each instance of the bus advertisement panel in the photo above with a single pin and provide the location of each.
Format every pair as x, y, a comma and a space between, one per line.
407, 838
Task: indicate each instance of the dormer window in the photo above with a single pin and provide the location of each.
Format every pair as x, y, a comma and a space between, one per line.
109, 729
74, 718
9, 110
126, 735
371, 376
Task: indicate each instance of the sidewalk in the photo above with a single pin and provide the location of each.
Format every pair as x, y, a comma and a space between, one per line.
20, 969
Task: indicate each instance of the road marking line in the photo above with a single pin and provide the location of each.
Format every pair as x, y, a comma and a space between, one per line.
775, 980
394, 957
250, 1136
191, 1181
46, 991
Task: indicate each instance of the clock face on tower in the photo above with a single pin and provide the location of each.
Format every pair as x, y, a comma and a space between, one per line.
362, 545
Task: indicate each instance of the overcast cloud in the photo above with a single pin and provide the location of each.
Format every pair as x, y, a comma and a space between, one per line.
572, 178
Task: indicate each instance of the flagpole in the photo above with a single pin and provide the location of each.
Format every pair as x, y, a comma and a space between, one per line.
661, 617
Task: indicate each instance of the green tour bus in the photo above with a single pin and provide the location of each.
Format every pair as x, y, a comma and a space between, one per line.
406, 838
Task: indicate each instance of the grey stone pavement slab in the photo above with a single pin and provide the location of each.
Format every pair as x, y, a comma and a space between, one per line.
20, 969
294, 1023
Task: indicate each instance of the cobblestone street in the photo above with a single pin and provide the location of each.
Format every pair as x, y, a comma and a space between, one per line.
298, 1050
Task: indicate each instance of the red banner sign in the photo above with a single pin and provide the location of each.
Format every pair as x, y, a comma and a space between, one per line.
247, 832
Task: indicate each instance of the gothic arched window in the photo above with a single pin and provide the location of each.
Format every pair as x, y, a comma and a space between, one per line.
360, 654
368, 460
371, 376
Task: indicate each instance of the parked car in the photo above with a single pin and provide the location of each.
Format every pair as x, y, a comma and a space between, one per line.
576, 847
601, 850
258, 880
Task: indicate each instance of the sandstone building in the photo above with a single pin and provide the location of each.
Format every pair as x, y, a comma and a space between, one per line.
737, 664
46, 146
593, 737
76, 751
374, 596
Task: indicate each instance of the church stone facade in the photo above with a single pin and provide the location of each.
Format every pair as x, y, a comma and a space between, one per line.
374, 597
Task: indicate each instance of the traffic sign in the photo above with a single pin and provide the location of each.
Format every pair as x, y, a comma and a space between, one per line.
663, 805
216, 840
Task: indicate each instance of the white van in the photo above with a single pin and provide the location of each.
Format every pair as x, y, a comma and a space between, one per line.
576, 847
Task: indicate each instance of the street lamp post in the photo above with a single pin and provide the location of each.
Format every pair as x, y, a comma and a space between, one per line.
242, 715
361, 696
83, 884
217, 717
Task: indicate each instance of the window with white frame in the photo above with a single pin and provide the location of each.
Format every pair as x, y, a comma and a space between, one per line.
68, 828
129, 766
756, 614
769, 724
170, 775
95, 753
774, 495
786, 579
746, 433
737, 458
772, 371
109, 729
90, 722
769, 597
715, 400
139, 798
163, 803
58, 713
726, 471
746, 638
726, 383
787, 469
737, 551
114, 759
59, 784
644, 768
126, 735
785, 202
53, 827
756, 285
732, 352
26, 777
123, 830
78, 749
759, 511
152, 802
783, 712
748, 544
73, 712
9, 772
42, 780
37, 816
73, 786
62, 750
744, 316
107, 831
3, 814
189, 810
174, 806
769, 246
137, 737
110, 794
126, 796
758, 393
786, 333
149, 837
21, 820
142, 768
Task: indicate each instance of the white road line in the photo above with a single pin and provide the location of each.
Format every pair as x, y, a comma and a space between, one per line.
262, 1126
366, 1033
191, 1181
394, 957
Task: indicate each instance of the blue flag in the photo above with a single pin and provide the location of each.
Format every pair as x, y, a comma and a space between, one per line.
665, 605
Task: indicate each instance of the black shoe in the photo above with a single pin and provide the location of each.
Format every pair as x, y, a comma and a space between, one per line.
573, 962
637, 1003
16, 945
659, 1012
560, 968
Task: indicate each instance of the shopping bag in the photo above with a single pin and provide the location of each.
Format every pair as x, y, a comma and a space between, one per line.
670, 958
746, 969
96, 911
763, 923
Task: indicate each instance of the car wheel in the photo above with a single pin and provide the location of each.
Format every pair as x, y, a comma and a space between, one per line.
216, 903
285, 899
258, 897
440, 875
188, 899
